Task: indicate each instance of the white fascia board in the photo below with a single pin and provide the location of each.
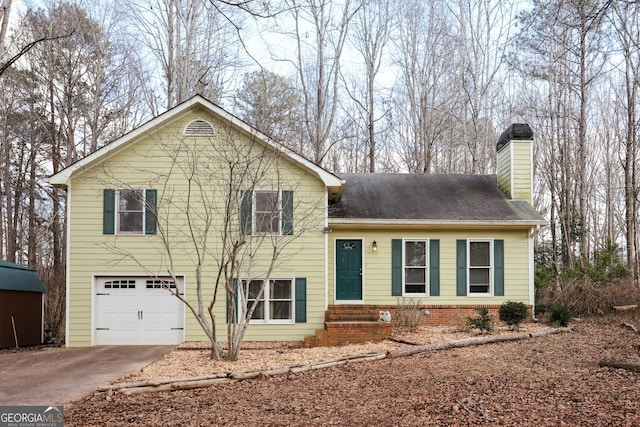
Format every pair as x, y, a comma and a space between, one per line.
401, 223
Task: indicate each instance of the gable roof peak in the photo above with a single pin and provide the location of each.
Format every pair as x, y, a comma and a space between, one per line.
63, 177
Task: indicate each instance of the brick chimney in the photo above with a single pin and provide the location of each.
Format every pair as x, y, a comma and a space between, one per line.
515, 162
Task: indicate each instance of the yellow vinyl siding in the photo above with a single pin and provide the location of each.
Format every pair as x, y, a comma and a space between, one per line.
515, 170
522, 170
377, 266
145, 165
504, 169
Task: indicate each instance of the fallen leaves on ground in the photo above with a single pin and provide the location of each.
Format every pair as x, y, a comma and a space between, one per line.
551, 380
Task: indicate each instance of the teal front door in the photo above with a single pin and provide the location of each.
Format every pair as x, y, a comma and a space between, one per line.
349, 269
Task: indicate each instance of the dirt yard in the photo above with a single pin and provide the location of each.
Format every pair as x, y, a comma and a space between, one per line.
550, 380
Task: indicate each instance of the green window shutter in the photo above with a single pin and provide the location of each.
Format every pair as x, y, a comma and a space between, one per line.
396, 267
287, 212
434, 267
108, 211
301, 300
461, 268
235, 299
498, 268
151, 206
246, 208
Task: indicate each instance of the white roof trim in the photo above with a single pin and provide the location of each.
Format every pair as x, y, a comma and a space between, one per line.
398, 223
63, 177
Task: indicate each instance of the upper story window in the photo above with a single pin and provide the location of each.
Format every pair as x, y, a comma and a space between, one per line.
266, 212
130, 217
199, 127
129, 211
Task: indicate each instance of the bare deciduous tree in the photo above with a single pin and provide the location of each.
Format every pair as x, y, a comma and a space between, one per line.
204, 210
320, 32
194, 46
372, 26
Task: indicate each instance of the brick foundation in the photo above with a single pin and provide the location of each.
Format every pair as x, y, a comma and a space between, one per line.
349, 324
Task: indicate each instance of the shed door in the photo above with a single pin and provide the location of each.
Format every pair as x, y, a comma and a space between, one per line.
138, 311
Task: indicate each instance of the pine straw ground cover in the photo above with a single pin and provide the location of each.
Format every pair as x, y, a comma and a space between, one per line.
550, 380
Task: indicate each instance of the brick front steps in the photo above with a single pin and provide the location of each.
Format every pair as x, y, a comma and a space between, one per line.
358, 323
341, 333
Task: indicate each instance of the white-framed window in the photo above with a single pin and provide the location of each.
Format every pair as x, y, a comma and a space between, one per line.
415, 267
480, 267
120, 284
130, 205
160, 284
275, 305
267, 212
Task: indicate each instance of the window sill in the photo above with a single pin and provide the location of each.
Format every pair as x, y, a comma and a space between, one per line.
272, 322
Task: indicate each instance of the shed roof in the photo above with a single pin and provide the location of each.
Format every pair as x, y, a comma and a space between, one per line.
16, 277
430, 198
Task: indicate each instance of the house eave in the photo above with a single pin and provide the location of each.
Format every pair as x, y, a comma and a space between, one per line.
344, 223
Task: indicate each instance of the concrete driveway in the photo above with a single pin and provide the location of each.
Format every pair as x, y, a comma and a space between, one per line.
60, 375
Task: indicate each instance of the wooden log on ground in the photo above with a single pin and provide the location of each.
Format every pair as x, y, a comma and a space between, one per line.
368, 358
169, 384
625, 307
184, 385
467, 342
160, 381
327, 364
245, 375
630, 327
401, 341
299, 369
619, 365
273, 372
187, 385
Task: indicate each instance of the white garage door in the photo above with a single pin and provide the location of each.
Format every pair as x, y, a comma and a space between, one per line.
138, 311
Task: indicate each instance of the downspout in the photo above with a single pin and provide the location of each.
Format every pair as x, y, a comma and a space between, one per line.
326, 249
532, 286
68, 267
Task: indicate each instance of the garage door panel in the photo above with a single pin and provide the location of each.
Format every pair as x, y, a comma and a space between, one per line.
160, 336
138, 311
107, 336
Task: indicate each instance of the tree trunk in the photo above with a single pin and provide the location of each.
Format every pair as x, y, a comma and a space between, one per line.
619, 365
467, 342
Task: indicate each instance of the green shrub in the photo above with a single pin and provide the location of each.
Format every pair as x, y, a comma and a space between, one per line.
559, 315
482, 321
513, 313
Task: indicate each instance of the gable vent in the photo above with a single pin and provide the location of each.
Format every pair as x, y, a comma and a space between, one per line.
199, 128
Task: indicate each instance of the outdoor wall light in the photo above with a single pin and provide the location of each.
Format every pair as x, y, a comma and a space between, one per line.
374, 246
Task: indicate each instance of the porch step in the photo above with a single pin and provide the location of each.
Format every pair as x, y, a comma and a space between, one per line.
353, 313
349, 332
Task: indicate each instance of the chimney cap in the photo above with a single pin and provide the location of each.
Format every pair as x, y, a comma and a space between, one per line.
519, 131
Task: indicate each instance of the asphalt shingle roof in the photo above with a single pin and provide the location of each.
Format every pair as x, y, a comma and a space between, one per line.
429, 197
